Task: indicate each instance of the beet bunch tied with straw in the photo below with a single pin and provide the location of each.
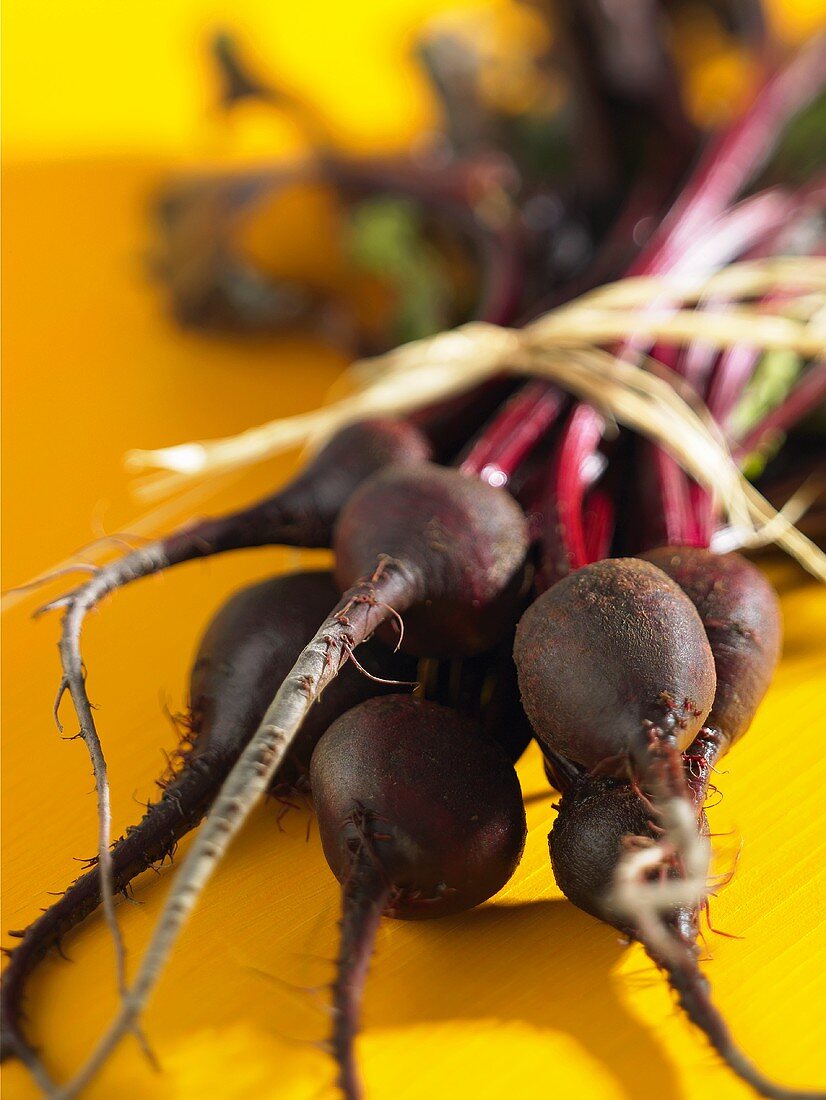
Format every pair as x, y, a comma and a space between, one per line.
590, 365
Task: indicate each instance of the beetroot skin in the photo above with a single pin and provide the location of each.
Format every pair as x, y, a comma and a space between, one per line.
461, 542
420, 815
586, 842
607, 651
742, 619
250, 647
438, 803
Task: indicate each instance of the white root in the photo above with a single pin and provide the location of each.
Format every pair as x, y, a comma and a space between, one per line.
74, 681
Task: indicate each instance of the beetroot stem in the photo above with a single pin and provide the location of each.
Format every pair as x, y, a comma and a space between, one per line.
512, 434
736, 155
599, 531
714, 244
564, 538
734, 368
670, 521
748, 225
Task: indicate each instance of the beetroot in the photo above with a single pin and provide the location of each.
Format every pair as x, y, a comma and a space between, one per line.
741, 615
420, 816
302, 514
611, 658
601, 820
598, 818
429, 537
250, 644
616, 674
460, 545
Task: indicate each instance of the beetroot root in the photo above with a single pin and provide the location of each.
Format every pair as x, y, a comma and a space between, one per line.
462, 544
250, 644
445, 794
608, 655
420, 816
588, 842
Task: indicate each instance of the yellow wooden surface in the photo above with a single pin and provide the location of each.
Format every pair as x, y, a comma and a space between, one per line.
524, 997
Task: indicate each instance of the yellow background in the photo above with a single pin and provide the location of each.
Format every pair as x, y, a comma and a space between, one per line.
524, 997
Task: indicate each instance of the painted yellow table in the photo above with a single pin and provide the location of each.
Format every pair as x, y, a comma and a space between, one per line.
524, 997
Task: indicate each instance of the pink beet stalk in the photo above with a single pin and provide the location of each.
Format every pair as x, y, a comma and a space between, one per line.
601, 513
735, 156
513, 433
574, 468
723, 172
730, 162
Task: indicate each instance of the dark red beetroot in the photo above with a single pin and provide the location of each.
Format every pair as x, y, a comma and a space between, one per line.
590, 837
250, 645
598, 817
456, 545
420, 816
616, 674
428, 536
612, 659
741, 615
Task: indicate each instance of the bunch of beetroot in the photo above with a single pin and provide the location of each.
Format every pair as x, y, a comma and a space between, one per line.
502, 569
